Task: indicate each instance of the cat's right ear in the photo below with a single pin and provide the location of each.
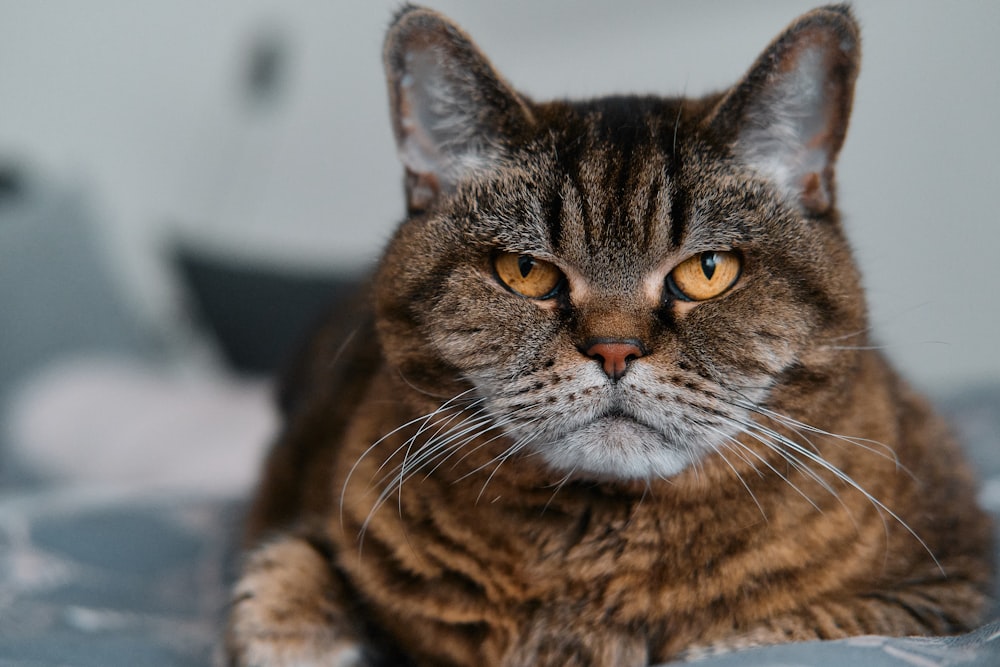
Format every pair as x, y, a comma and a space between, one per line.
452, 114
788, 117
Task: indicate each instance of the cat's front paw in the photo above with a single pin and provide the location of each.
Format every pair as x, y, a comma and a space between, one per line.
285, 612
294, 652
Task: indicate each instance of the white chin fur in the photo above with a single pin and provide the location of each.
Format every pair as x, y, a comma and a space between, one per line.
618, 449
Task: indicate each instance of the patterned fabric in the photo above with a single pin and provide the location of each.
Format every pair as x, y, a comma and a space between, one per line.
105, 579
977, 649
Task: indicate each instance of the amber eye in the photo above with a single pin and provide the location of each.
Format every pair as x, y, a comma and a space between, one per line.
527, 276
705, 275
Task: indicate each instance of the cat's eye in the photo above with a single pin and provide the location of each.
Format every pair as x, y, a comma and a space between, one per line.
527, 276
705, 275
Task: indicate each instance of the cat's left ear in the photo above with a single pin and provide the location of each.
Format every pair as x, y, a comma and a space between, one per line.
452, 113
787, 118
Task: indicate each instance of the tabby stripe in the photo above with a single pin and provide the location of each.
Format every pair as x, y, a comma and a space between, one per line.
453, 596
553, 211
917, 612
649, 218
835, 551
678, 201
616, 211
569, 155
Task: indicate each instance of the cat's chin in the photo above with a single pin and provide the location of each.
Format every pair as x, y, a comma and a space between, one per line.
616, 447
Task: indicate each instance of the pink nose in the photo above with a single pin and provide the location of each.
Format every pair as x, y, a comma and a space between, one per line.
614, 354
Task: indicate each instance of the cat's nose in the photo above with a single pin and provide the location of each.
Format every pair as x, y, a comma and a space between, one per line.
614, 354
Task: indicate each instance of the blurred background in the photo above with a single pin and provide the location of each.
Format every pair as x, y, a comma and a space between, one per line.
183, 183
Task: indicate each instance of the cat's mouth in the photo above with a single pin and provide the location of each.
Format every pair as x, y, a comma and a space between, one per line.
618, 415
619, 427
615, 443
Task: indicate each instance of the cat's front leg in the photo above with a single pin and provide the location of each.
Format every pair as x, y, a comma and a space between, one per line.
287, 610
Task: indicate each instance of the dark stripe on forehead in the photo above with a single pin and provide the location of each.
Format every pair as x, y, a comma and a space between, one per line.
621, 123
678, 199
623, 128
568, 146
612, 152
552, 209
649, 219
586, 212
623, 135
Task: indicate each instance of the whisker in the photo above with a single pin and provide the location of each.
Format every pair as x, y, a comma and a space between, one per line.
736, 472
867, 444
846, 479
440, 438
436, 451
557, 488
853, 334
342, 346
471, 429
791, 460
511, 451
410, 465
516, 443
449, 404
774, 441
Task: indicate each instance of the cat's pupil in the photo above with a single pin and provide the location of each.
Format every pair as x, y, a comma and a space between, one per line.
525, 264
709, 260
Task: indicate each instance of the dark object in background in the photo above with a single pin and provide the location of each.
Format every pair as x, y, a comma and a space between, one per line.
267, 64
11, 182
258, 314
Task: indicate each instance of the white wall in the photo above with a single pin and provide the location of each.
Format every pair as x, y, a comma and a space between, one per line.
139, 103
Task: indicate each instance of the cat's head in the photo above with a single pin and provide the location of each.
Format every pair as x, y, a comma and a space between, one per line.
621, 284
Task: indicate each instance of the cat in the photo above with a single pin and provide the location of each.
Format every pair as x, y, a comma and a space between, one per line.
613, 401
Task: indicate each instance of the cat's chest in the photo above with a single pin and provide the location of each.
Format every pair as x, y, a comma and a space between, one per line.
627, 555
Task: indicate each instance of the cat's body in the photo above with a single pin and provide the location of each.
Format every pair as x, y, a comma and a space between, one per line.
615, 400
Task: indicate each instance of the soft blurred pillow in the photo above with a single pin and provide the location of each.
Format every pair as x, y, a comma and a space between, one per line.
57, 295
259, 313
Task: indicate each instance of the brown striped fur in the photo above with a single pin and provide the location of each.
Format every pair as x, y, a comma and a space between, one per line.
461, 483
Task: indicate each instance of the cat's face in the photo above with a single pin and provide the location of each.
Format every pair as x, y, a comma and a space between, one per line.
620, 286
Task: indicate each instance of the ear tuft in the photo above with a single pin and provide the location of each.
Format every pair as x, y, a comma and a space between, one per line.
452, 114
788, 117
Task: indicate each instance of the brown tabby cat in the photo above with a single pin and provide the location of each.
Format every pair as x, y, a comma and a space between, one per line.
615, 402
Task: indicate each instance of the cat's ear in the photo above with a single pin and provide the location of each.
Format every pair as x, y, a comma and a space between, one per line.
452, 114
787, 118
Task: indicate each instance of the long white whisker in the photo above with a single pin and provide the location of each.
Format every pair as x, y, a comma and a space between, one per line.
451, 403
444, 406
435, 452
518, 445
873, 446
468, 429
470, 424
776, 443
746, 486
795, 463
558, 487
846, 479
441, 438
509, 424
